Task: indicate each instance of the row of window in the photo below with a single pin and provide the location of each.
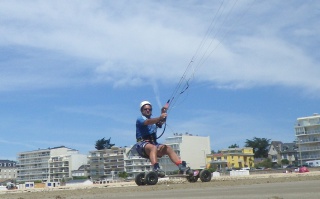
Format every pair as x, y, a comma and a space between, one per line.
7, 164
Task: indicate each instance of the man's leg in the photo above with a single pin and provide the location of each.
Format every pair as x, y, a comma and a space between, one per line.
167, 150
151, 151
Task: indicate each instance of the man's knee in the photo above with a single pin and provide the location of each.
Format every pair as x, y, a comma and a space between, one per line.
150, 147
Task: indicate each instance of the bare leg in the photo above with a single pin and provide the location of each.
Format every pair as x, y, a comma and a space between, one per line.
167, 150
151, 151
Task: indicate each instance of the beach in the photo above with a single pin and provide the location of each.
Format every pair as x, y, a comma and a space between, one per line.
112, 190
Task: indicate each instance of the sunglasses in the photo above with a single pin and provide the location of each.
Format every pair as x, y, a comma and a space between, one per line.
147, 109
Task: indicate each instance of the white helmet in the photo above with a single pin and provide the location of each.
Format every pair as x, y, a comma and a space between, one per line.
144, 103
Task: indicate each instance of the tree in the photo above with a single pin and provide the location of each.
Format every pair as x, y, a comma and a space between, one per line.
123, 174
267, 163
285, 162
103, 144
234, 146
259, 145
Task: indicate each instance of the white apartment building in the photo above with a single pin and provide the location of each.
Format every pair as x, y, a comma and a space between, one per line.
106, 163
135, 164
7, 169
307, 131
190, 148
48, 165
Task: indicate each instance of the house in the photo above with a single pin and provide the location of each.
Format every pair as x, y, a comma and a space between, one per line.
279, 151
233, 158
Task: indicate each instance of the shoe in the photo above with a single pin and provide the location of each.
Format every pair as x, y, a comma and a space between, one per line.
183, 169
159, 172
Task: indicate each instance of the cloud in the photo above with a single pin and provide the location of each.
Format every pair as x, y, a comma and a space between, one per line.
123, 43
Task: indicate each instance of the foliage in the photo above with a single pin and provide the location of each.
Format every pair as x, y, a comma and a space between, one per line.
103, 144
123, 174
267, 163
259, 145
284, 161
213, 152
212, 170
80, 177
234, 146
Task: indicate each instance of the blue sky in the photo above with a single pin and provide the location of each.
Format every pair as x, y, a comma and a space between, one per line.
73, 72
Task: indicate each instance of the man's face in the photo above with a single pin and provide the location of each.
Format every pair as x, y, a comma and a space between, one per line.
146, 110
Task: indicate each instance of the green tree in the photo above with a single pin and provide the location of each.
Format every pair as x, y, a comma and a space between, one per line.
284, 162
234, 146
123, 174
267, 163
259, 145
103, 144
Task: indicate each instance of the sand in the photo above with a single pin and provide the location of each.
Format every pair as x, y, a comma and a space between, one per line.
112, 189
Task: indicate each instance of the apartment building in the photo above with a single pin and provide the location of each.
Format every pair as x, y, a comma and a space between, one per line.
191, 148
233, 158
307, 131
48, 165
134, 164
8, 169
106, 163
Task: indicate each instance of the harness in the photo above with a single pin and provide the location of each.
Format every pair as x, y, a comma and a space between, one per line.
143, 141
152, 139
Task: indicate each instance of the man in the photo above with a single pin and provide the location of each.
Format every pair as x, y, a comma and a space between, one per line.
147, 145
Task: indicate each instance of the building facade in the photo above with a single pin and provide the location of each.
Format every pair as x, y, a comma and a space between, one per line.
8, 169
279, 151
233, 158
134, 164
190, 148
48, 165
106, 163
307, 131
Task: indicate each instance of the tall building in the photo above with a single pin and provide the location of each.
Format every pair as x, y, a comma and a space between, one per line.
190, 148
307, 131
49, 165
106, 163
8, 169
134, 164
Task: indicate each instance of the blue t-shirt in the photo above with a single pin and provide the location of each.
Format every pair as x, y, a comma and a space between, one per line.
144, 130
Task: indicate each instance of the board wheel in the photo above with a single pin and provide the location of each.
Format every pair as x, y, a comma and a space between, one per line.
205, 175
151, 178
192, 178
140, 179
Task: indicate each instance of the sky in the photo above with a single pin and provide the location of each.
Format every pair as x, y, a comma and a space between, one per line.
73, 72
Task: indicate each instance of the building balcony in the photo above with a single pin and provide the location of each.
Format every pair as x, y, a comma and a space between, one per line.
310, 157
218, 161
315, 148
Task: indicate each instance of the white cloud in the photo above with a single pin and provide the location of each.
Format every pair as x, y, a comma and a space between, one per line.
124, 43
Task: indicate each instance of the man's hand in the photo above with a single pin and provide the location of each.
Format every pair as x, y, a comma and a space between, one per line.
165, 108
163, 116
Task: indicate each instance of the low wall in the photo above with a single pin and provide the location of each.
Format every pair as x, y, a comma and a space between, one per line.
239, 173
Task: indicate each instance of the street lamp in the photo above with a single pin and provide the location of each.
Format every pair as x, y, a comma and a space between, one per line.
300, 152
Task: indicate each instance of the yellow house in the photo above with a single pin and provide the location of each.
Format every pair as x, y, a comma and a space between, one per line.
233, 158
